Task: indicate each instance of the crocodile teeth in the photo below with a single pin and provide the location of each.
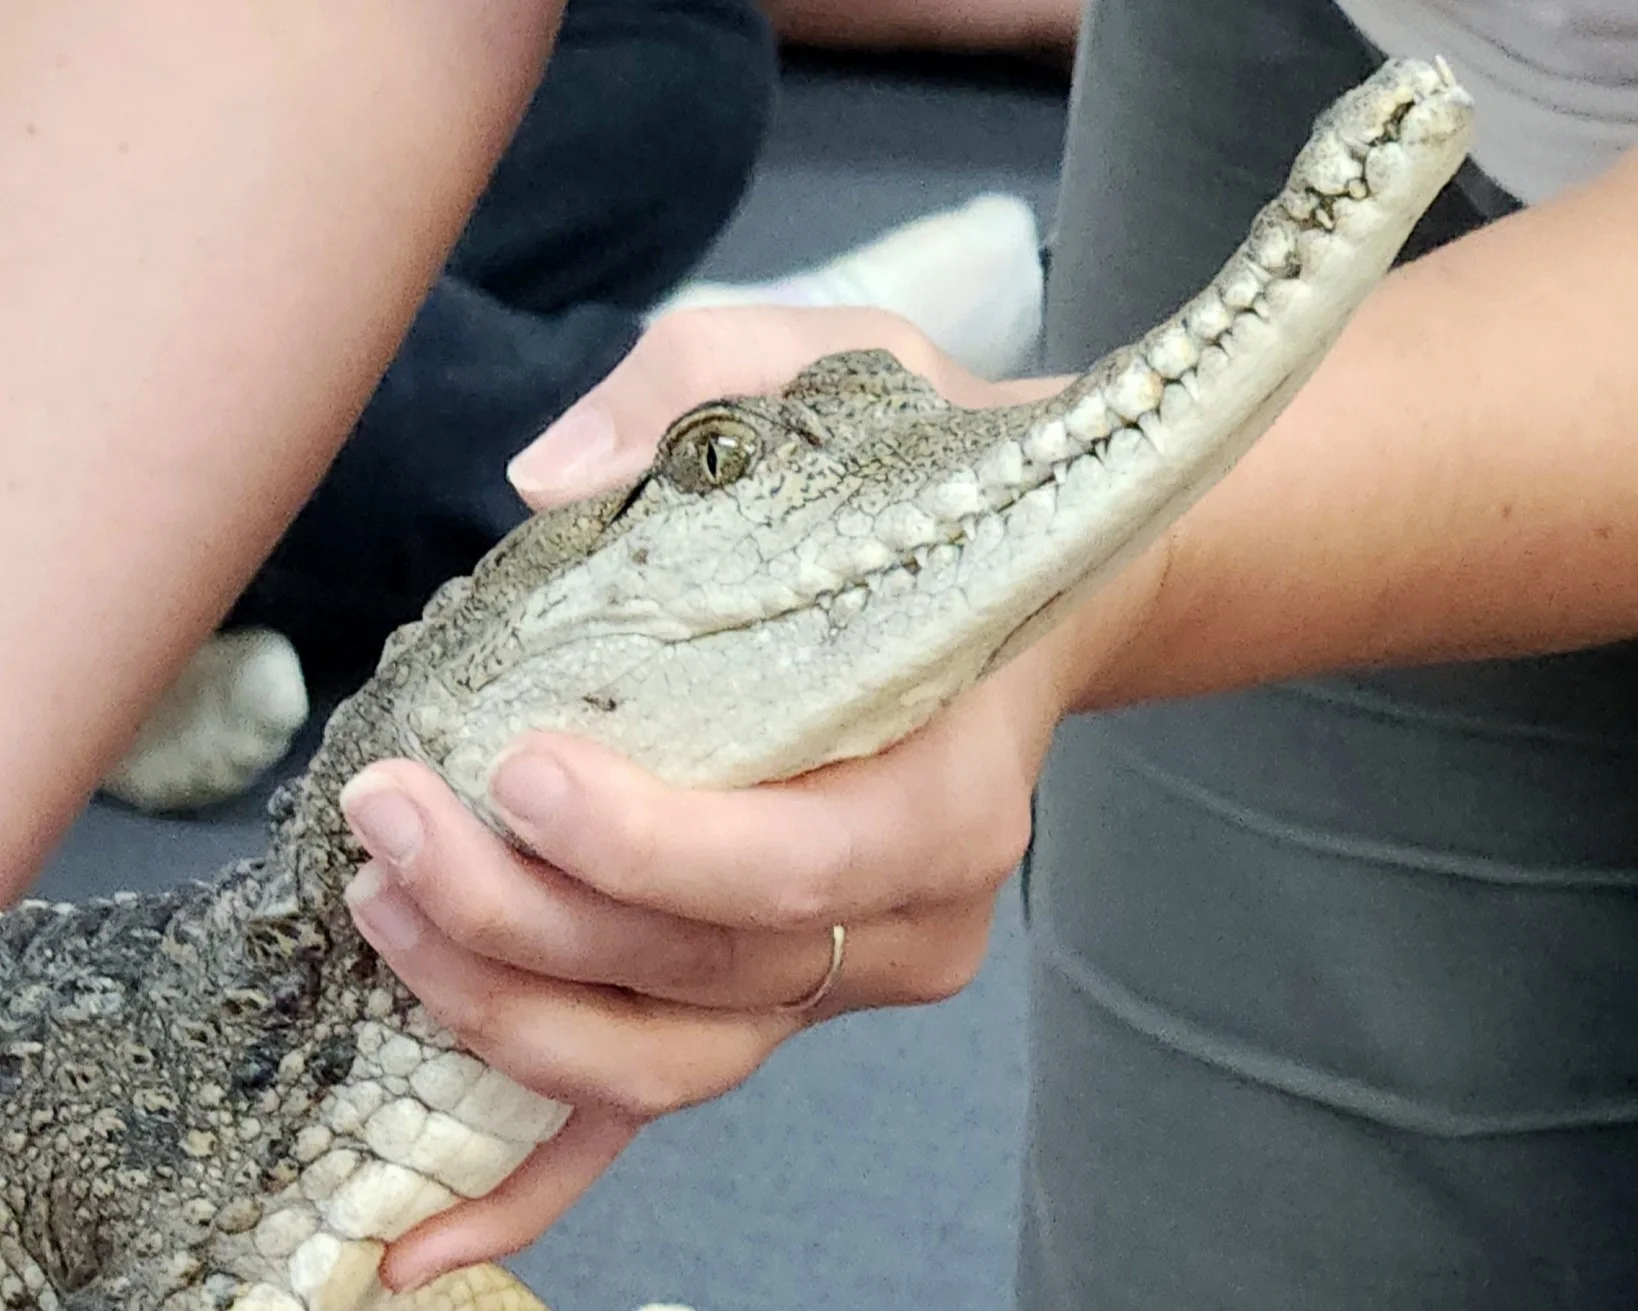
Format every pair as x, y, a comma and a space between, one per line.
1125, 445
869, 557
988, 532
1207, 317
1273, 244
815, 579
892, 583
1240, 284
902, 528
955, 498
1327, 166
846, 605
1090, 420
1002, 470
854, 523
1134, 390
1048, 444
1178, 397
1172, 352
1035, 508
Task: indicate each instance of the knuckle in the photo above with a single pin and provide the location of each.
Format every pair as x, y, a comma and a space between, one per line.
1006, 841
701, 956
806, 895
947, 974
669, 1077
653, 1089
628, 854
473, 1016
801, 900
908, 342
477, 922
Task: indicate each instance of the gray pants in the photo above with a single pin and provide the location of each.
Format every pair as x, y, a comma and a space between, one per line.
1335, 983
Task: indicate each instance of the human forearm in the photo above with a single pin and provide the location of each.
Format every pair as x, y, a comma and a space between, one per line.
1459, 479
217, 221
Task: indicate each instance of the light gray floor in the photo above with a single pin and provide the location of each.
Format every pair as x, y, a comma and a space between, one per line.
873, 1164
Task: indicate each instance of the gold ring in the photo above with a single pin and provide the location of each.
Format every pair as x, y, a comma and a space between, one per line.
838, 948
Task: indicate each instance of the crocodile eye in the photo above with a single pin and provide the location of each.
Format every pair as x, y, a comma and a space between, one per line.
708, 450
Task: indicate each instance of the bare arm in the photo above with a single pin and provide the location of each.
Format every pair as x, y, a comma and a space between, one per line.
1459, 479
216, 220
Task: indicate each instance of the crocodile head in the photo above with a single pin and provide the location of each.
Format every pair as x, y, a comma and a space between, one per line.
808, 577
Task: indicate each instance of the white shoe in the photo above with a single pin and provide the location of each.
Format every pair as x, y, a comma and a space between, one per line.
231, 715
969, 278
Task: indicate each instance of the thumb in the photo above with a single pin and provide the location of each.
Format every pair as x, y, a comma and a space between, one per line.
686, 358
578, 456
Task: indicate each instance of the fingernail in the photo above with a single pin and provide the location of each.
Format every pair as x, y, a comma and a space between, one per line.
383, 914
385, 820
568, 459
397, 1282
404, 1277
529, 788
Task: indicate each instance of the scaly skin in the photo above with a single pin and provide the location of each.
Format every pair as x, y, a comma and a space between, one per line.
220, 1098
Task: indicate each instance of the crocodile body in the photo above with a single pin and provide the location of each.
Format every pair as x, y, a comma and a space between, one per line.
219, 1098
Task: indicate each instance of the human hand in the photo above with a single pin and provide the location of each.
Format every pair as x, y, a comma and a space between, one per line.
641, 964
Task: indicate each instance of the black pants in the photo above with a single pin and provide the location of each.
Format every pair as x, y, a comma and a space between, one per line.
636, 149
1335, 983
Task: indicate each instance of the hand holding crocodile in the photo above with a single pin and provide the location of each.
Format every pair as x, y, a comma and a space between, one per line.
651, 974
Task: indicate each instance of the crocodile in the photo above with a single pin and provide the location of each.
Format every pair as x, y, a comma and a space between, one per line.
219, 1097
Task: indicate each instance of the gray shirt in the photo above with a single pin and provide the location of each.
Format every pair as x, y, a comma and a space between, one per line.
1556, 80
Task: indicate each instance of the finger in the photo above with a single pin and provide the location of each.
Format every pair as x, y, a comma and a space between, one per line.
566, 1041
531, 1200
485, 896
607, 439
939, 818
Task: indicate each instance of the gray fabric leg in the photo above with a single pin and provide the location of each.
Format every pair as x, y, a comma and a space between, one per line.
1335, 984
